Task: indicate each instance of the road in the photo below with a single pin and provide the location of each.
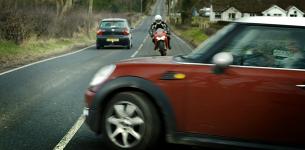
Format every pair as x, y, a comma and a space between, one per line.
40, 103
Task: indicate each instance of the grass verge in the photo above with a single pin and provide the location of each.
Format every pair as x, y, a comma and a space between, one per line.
12, 55
193, 35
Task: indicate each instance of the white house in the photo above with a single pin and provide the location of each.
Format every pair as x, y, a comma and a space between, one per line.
274, 10
248, 14
232, 13
229, 14
292, 11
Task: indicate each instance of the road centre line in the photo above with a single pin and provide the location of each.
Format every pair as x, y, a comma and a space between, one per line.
134, 54
140, 47
31, 64
66, 139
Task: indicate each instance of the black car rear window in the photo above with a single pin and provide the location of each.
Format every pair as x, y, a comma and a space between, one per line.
113, 24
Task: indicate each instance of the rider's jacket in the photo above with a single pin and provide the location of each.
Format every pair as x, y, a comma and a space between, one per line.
154, 26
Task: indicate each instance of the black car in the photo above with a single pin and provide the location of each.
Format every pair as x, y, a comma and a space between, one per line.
113, 32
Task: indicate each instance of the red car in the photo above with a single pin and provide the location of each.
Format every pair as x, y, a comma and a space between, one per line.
243, 87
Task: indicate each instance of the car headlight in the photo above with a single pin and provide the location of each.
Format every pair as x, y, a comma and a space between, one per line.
102, 74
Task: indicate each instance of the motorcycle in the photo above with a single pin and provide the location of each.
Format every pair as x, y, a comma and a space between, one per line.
161, 41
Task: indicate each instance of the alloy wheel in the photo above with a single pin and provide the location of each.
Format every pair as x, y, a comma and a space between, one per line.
125, 124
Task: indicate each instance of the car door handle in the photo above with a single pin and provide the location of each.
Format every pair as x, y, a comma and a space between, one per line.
302, 86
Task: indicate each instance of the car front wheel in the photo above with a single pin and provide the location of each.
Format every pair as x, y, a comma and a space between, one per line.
130, 121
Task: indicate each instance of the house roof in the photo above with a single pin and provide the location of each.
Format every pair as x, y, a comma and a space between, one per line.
273, 7
255, 6
290, 7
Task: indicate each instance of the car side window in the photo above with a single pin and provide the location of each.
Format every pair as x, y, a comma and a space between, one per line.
265, 46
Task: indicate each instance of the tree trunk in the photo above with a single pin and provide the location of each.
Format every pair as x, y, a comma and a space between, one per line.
62, 6
59, 5
67, 6
89, 17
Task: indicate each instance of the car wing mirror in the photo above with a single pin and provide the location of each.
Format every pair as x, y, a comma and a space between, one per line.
222, 61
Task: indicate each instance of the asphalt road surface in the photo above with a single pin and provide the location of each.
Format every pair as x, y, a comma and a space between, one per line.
41, 102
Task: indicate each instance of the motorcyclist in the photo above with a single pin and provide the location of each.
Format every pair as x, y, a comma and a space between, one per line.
158, 23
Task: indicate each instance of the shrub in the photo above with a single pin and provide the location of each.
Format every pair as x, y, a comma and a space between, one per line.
23, 21
14, 26
66, 26
210, 31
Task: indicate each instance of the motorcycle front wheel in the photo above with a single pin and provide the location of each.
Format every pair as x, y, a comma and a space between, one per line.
162, 49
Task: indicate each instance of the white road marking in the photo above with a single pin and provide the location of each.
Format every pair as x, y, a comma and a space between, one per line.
140, 47
134, 54
66, 139
31, 64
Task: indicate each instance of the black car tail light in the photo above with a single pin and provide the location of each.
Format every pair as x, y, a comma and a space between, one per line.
126, 32
100, 32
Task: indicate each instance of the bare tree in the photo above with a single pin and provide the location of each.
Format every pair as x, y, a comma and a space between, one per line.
62, 6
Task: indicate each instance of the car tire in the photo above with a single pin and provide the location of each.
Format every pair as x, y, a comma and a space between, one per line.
129, 45
130, 122
161, 46
98, 46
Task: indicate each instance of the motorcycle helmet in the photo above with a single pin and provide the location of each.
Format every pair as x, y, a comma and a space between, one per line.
158, 19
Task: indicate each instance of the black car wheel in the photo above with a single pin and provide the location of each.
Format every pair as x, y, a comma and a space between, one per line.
130, 122
129, 45
99, 46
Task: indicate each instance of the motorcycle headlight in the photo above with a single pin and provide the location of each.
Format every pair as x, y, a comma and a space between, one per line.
161, 38
102, 75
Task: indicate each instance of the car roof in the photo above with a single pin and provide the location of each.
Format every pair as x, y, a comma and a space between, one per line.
114, 19
289, 21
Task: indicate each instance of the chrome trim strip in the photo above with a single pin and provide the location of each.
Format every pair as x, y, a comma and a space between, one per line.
251, 67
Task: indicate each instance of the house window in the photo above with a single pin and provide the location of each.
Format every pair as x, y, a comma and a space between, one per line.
232, 15
252, 14
218, 15
268, 15
277, 15
293, 15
